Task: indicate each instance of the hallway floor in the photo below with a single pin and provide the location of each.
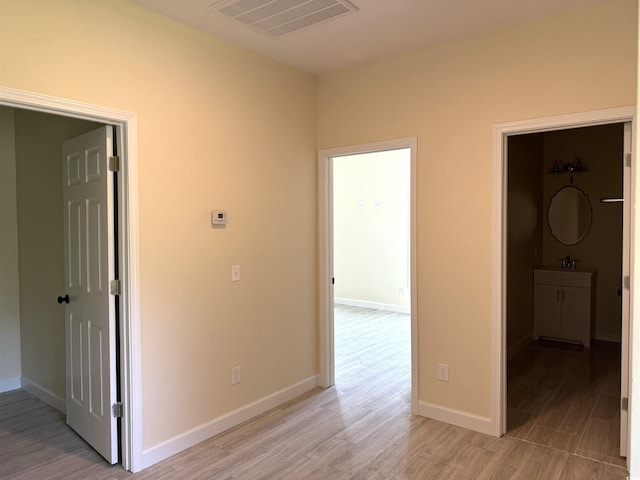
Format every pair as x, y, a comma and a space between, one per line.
360, 429
567, 397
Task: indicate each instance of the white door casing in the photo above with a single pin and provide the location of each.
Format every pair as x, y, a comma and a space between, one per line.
90, 313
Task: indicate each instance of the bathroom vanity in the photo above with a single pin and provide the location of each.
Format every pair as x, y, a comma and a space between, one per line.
564, 304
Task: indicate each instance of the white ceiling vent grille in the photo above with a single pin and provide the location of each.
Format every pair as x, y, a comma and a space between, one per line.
275, 18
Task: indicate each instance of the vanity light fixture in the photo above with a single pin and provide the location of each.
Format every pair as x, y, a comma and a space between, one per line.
569, 167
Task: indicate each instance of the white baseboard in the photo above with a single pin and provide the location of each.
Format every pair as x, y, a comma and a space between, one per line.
375, 305
8, 384
199, 434
44, 394
609, 336
456, 417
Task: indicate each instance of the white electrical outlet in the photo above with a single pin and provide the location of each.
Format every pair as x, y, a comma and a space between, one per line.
235, 273
443, 372
235, 375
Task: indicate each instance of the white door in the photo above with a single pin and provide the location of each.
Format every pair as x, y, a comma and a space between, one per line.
626, 263
90, 309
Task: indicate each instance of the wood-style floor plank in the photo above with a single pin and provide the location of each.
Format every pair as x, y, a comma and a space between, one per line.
361, 429
567, 397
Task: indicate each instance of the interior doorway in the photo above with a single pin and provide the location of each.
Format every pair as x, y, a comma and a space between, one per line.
566, 382
371, 214
406, 284
502, 133
124, 124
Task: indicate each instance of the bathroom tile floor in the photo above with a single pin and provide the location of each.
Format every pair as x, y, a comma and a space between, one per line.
567, 397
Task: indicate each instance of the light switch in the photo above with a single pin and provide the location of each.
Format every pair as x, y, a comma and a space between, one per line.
235, 273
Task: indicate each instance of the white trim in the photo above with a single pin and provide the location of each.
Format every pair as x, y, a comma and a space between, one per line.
205, 431
325, 256
500, 133
387, 307
126, 125
456, 417
44, 394
8, 384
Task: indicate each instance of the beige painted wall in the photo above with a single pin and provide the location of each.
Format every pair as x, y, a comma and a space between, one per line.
218, 128
450, 97
9, 275
39, 140
371, 227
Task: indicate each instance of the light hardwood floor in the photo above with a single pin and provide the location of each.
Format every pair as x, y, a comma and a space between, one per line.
360, 429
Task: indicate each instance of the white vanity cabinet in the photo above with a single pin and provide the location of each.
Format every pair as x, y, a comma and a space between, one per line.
564, 304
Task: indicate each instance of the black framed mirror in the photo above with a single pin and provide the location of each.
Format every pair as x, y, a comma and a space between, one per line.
569, 215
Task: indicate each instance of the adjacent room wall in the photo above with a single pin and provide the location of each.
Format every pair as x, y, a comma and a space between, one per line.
371, 229
39, 140
450, 97
218, 128
9, 274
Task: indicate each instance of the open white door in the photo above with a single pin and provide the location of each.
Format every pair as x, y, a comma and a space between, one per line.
90, 311
626, 309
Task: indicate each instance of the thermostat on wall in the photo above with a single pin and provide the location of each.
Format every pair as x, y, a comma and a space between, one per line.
218, 217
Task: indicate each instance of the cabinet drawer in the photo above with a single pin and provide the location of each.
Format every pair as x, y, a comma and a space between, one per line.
567, 278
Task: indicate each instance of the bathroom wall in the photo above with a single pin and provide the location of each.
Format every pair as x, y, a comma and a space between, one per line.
530, 242
524, 233
600, 150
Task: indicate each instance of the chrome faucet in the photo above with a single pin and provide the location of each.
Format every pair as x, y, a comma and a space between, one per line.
568, 262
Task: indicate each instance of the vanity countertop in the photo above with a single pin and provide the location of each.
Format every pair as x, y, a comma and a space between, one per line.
567, 270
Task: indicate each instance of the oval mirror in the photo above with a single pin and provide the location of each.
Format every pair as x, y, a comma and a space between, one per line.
569, 215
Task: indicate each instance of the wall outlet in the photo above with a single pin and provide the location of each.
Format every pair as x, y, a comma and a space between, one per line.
235, 375
235, 273
443, 372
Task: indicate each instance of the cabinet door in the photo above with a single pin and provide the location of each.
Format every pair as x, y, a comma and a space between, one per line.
576, 311
546, 310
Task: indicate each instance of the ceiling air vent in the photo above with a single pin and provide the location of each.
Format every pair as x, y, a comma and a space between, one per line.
275, 18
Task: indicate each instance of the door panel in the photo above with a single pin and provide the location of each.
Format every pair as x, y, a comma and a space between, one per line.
89, 266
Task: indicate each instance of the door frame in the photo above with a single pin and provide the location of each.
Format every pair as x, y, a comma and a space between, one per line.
125, 126
499, 308
325, 256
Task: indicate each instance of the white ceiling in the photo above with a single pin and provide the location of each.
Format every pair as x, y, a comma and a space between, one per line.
380, 29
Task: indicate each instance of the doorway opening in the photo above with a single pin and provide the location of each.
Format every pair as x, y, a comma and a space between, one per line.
124, 125
371, 214
526, 245
367, 258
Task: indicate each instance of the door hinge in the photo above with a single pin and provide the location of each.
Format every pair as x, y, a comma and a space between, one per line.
114, 287
118, 410
333, 281
624, 404
627, 160
627, 282
114, 164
